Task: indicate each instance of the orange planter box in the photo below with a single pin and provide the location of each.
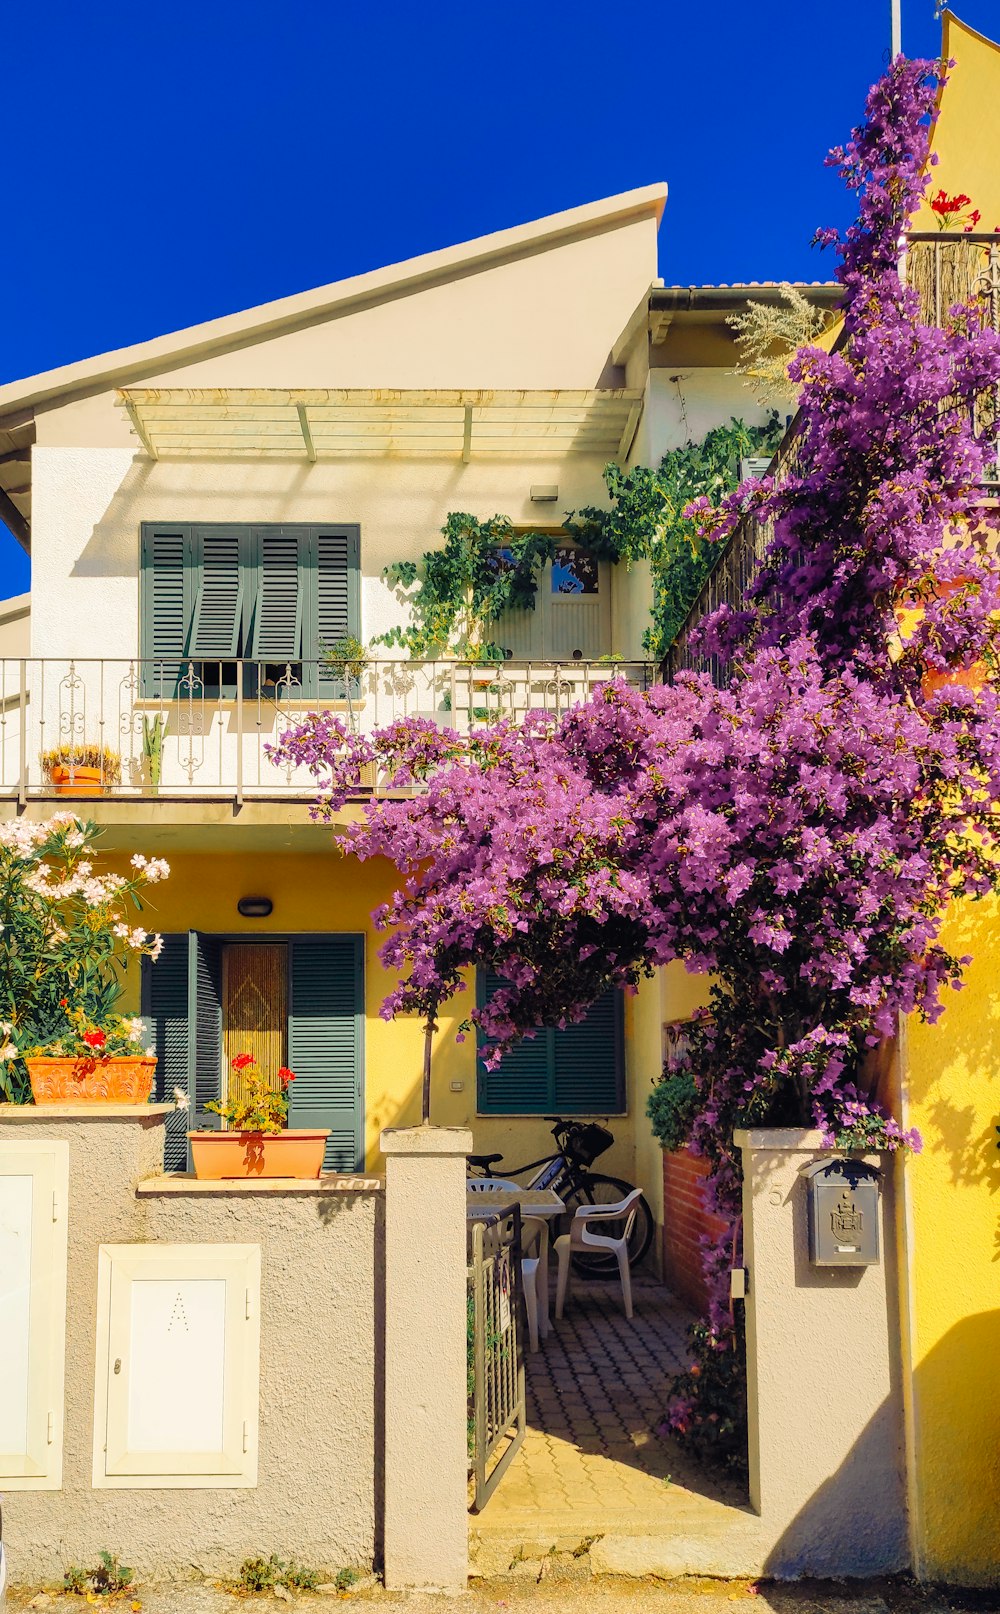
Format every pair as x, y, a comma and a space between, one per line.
292, 1153
113, 1080
81, 782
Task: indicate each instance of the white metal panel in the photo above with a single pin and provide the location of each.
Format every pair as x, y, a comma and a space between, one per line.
34, 1179
178, 1343
16, 1203
178, 1338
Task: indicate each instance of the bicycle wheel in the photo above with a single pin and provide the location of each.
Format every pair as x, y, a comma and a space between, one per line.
595, 1190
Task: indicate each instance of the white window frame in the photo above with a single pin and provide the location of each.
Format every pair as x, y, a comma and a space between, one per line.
235, 1466
46, 1161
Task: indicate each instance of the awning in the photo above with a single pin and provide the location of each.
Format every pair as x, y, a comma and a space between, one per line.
323, 423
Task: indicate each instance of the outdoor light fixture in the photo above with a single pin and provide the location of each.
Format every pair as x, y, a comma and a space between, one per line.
544, 492
254, 907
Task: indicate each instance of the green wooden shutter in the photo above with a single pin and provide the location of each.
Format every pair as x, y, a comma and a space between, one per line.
332, 601
165, 1008
588, 1061
325, 1042
276, 618
576, 1071
168, 585
218, 613
204, 984
522, 1082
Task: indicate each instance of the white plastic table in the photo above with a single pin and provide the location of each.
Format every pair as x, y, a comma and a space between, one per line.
543, 1203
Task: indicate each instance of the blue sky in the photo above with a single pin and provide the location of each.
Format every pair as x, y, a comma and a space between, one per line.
165, 166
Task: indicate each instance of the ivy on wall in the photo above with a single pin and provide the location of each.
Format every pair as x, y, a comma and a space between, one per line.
454, 594
646, 520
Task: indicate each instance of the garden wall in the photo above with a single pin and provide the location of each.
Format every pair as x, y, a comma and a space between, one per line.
302, 1445
685, 1223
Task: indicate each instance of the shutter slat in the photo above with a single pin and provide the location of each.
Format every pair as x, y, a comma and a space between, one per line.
326, 1008
219, 610
277, 616
587, 1061
205, 1025
521, 1083
167, 582
165, 1005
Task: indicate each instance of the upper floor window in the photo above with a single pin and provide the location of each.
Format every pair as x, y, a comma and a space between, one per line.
213, 595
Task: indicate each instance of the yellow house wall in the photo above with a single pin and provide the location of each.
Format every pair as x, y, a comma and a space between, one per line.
324, 891
952, 1095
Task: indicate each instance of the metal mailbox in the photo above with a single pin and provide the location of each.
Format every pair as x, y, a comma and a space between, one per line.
843, 1213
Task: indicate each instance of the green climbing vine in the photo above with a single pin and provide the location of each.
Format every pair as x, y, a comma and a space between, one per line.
646, 521
457, 592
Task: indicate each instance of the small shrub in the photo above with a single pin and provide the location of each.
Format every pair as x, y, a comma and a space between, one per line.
345, 1579
299, 1579
260, 1574
264, 1574
109, 1577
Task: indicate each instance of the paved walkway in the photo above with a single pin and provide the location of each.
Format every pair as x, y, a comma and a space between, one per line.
592, 1461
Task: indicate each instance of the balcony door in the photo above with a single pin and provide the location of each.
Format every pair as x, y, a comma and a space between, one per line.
572, 616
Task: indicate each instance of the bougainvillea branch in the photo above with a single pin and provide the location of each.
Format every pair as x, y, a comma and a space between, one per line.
797, 835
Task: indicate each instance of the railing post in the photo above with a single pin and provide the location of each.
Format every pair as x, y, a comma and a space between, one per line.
239, 732
22, 741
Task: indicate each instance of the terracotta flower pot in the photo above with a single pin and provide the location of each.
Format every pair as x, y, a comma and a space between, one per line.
113, 1080
79, 782
292, 1153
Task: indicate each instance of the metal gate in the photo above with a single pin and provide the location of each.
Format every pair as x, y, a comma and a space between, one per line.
496, 1417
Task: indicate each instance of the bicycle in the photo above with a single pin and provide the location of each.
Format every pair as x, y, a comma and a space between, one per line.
567, 1172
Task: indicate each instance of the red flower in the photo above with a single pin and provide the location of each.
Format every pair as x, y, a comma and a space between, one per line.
94, 1039
64, 1003
949, 204
285, 1076
242, 1061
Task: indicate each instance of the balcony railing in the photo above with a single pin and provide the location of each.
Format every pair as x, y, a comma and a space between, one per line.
198, 729
944, 270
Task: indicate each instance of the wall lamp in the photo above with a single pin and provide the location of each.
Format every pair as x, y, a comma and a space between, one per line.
254, 907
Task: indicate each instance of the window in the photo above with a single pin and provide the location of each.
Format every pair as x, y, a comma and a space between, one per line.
182, 1317
576, 1071
198, 997
34, 1186
275, 596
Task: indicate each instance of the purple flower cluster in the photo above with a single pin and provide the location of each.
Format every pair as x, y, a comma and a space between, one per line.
799, 835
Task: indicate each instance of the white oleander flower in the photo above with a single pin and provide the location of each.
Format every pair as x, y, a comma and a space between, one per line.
181, 1099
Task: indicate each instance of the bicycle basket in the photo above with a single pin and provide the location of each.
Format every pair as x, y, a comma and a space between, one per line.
585, 1142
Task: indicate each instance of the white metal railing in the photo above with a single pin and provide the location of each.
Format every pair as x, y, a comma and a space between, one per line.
198, 728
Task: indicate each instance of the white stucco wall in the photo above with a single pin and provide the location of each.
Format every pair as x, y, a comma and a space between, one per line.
545, 319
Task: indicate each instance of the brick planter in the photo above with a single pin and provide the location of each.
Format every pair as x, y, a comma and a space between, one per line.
685, 1221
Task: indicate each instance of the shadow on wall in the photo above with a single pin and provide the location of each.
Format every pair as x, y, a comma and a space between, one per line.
958, 1454
837, 1531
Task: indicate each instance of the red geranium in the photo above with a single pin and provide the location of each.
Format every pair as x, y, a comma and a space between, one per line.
242, 1061
94, 1039
285, 1076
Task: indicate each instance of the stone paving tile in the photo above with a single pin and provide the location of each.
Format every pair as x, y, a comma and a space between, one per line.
592, 1458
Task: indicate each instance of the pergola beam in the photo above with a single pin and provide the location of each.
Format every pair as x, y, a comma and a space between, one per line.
138, 427
300, 410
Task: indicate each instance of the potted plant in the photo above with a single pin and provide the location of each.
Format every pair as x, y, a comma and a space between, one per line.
257, 1141
154, 730
81, 770
67, 933
90, 1064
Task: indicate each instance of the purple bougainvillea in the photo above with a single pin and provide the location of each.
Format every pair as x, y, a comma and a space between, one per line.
798, 835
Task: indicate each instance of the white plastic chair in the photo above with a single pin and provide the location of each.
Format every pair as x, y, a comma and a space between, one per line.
534, 1271
579, 1237
492, 1185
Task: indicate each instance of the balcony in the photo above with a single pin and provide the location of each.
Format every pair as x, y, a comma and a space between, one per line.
944, 270
214, 719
